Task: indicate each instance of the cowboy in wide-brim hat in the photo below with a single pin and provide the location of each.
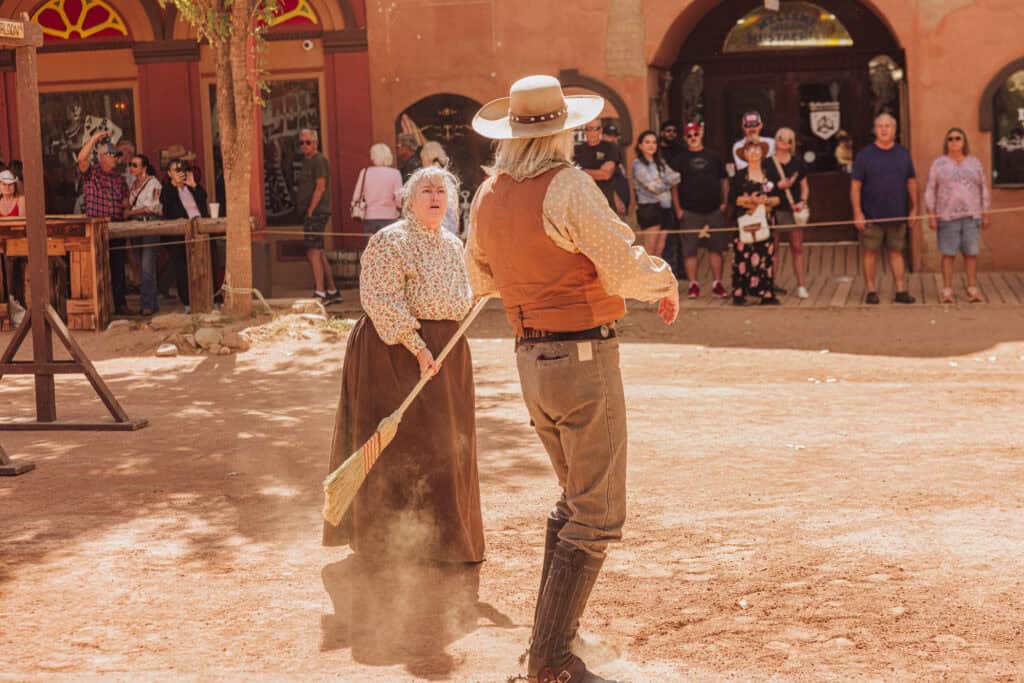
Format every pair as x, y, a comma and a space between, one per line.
535, 107
543, 238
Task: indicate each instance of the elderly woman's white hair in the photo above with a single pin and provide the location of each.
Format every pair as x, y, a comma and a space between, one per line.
430, 175
432, 153
380, 155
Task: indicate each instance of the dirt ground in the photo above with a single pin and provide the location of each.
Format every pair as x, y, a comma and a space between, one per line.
813, 495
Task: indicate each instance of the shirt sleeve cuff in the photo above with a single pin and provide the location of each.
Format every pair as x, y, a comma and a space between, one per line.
414, 343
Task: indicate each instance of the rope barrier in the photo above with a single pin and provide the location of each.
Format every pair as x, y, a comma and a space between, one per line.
705, 230
701, 232
167, 244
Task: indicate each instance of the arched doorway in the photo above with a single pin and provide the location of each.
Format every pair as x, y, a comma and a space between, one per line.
817, 67
447, 118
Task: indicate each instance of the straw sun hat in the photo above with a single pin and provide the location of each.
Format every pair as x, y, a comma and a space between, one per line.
749, 144
534, 108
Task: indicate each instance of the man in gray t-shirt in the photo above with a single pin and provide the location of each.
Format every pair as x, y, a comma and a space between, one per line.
313, 199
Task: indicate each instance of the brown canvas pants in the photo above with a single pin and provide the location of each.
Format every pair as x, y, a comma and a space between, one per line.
573, 391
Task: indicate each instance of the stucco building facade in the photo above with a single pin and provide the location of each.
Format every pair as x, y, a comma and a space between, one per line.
362, 71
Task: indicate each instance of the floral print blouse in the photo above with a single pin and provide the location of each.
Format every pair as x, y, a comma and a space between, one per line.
955, 189
410, 273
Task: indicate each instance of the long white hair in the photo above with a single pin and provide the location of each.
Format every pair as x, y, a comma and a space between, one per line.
529, 157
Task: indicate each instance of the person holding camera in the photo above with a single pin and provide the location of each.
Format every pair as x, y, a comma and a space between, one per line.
182, 197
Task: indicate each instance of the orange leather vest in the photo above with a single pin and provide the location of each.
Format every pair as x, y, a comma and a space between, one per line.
542, 286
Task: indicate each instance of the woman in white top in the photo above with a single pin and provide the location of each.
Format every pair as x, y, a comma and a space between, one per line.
380, 186
414, 290
144, 204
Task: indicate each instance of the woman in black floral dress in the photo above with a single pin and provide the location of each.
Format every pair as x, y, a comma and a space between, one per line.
753, 266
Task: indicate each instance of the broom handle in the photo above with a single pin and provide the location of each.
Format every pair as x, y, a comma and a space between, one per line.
444, 352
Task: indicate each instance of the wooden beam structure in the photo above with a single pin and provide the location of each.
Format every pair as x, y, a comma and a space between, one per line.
41, 319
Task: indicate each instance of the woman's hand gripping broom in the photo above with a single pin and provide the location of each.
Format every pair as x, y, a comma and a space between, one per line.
341, 485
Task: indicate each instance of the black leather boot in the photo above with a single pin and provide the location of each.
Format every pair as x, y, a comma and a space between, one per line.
570, 579
555, 525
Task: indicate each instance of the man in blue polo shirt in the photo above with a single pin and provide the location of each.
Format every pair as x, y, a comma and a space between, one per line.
884, 187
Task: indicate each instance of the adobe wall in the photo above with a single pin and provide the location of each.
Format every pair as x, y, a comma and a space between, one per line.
477, 48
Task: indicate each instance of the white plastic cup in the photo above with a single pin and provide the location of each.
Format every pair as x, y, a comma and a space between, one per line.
214, 210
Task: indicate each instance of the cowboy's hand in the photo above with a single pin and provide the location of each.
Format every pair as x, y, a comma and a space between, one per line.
859, 222
100, 135
427, 364
190, 179
668, 308
986, 221
933, 223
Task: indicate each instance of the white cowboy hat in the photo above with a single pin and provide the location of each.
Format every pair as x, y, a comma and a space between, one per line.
7, 178
534, 108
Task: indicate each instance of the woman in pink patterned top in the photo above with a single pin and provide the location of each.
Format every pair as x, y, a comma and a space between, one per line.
957, 198
423, 497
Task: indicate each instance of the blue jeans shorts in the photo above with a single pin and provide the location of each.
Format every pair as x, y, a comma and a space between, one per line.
960, 235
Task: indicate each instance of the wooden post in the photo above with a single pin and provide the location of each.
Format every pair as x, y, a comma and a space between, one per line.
200, 268
35, 225
40, 318
10, 468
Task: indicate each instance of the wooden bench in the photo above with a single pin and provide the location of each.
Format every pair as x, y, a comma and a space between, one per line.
84, 242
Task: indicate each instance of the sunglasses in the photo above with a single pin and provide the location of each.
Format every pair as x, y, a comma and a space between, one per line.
594, 128
954, 138
305, 143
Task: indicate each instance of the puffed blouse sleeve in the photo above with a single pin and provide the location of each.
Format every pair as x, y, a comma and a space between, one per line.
382, 292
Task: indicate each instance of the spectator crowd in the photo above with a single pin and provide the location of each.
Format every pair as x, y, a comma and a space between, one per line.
681, 197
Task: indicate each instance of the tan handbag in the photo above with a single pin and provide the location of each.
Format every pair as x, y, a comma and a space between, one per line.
754, 226
801, 217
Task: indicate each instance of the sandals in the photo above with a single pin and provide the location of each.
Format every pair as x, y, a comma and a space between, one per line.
947, 295
974, 295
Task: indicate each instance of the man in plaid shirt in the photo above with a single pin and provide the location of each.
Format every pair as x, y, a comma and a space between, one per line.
105, 194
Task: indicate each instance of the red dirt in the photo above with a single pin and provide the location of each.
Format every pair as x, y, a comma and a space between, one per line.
865, 505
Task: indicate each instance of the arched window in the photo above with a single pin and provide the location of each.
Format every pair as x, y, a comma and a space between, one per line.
795, 25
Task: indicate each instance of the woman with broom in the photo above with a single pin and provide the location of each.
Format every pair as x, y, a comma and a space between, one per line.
422, 499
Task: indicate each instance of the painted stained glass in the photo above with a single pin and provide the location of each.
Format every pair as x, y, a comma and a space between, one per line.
794, 25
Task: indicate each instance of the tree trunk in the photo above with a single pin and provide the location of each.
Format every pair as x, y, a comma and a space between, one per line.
235, 109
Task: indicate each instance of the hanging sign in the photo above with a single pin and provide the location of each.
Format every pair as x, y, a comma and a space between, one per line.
824, 119
12, 30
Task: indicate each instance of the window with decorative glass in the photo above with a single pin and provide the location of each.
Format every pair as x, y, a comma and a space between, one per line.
795, 25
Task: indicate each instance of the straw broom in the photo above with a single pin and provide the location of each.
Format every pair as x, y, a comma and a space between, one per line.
341, 485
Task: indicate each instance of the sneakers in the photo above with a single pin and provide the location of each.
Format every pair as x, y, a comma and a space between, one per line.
872, 298
739, 301
802, 293
694, 290
327, 298
719, 290
904, 297
770, 301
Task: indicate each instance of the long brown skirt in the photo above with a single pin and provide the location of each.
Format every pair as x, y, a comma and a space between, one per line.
422, 498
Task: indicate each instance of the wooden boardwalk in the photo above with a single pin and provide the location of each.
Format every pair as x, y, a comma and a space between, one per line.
834, 281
